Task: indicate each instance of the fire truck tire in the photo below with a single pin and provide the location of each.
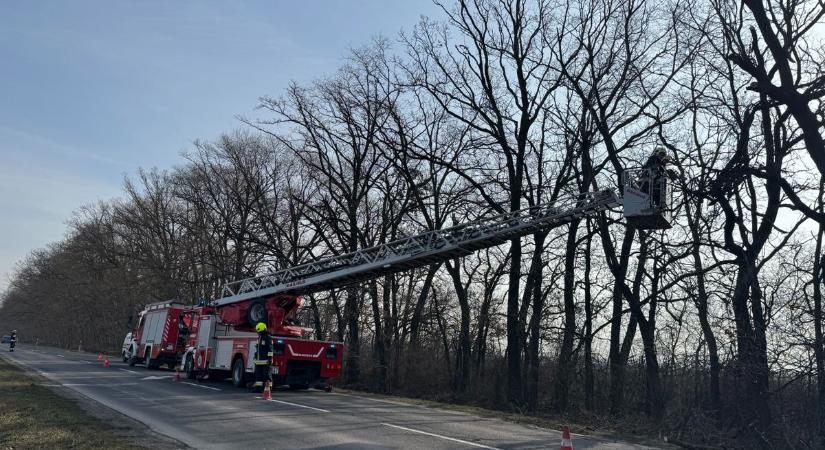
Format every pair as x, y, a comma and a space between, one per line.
256, 313
238, 373
147, 360
132, 358
189, 367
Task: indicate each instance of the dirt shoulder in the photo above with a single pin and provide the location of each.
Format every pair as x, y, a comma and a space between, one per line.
33, 416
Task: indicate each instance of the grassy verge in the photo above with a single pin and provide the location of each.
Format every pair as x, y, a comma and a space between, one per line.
32, 416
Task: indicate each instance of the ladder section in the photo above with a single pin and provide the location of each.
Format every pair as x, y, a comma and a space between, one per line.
416, 251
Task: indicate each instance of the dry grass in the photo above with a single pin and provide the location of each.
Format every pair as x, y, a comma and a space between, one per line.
34, 417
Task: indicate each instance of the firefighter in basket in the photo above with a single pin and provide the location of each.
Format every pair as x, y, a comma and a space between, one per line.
654, 169
12, 340
263, 357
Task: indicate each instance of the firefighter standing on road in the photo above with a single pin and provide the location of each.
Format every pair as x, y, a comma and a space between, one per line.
263, 357
12, 340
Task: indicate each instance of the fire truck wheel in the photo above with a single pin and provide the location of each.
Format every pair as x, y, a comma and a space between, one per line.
147, 360
256, 313
189, 367
238, 372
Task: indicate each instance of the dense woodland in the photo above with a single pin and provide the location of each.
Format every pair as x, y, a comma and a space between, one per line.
709, 334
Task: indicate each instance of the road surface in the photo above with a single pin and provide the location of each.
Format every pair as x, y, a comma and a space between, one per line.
213, 415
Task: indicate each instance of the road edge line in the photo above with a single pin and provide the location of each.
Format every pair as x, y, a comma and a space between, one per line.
460, 441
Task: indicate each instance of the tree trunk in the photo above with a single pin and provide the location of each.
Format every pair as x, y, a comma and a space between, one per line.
589, 383
316, 317
701, 301
463, 357
415, 321
819, 350
616, 361
533, 351
353, 351
514, 389
565, 369
707, 332
380, 344
752, 362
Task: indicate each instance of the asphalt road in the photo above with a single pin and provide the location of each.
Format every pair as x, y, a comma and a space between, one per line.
212, 415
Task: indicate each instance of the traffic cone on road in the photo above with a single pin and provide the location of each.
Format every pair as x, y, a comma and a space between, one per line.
566, 441
267, 392
177, 374
100, 356
106, 363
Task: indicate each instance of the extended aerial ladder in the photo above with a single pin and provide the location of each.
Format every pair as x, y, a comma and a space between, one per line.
645, 205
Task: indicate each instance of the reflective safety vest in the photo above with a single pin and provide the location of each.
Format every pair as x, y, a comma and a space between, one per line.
263, 353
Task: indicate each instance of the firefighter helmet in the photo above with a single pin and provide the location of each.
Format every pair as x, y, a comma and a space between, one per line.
260, 327
661, 153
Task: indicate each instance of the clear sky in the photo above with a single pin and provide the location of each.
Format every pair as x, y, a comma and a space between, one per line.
90, 91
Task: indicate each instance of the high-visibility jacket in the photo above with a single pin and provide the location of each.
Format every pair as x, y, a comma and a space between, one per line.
263, 353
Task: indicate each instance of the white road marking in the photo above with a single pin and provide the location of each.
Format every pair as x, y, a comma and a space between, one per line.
473, 444
296, 404
200, 386
378, 400
155, 378
83, 384
60, 356
408, 405
86, 375
127, 370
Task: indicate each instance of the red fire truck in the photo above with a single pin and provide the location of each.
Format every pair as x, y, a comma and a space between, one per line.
222, 344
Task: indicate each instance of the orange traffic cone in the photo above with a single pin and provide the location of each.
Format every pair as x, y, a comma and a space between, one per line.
100, 356
566, 441
106, 363
177, 374
267, 392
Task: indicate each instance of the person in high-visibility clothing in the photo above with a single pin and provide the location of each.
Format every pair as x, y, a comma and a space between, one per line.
263, 357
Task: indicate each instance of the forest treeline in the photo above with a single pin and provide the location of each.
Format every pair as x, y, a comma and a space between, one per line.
709, 333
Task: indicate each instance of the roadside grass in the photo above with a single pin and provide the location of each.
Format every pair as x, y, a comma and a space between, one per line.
34, 417
591, 426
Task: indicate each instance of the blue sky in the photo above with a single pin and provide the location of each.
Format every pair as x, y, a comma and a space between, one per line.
90, 91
